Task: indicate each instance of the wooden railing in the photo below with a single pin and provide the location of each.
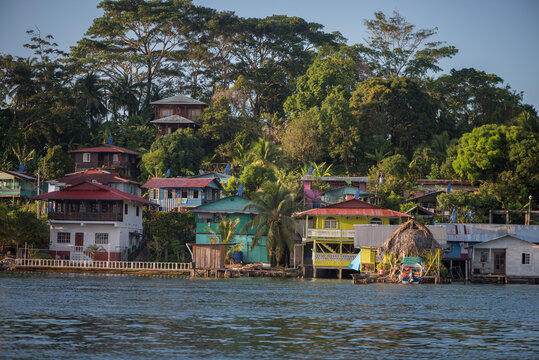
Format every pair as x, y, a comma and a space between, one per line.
92, 264
330, 233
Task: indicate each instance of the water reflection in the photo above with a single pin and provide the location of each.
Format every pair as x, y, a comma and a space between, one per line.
69, 315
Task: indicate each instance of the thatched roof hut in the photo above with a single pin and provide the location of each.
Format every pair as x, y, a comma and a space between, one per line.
410, 239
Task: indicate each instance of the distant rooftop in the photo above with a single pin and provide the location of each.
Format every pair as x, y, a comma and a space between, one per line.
172, 119
178, 99
335, 178
19, 175
106, 148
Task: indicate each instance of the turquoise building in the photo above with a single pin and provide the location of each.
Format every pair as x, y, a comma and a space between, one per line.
209, 215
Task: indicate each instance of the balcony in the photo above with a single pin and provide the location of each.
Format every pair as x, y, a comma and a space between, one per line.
85, 216
324, 233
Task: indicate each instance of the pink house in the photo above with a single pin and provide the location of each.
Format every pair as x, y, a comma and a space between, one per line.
312, 191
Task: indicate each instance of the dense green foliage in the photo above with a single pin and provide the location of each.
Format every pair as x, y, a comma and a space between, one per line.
169, 233
282, 93
20, 226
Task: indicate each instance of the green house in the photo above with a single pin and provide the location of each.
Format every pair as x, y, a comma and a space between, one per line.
209, 215
17, 185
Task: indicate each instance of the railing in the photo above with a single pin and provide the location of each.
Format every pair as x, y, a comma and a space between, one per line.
330, 233
92, 264
85, 216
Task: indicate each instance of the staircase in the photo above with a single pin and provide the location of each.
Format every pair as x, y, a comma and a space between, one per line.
78, 253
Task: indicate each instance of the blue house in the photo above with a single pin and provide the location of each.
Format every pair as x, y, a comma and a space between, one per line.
180, 193
209, 216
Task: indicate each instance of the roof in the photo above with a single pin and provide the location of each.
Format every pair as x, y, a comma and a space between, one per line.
101, 176
19, 175
335, 178
179, 183
428, 195
172, 119
420, 211
211, 174
353, 208
349, 189
91, 191
108, 148
178, 99
229, 205
442, 182
485, 244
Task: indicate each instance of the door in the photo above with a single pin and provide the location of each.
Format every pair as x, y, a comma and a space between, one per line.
499, 262
79, 239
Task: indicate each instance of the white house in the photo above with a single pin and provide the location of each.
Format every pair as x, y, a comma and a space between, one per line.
88, 214
506, 255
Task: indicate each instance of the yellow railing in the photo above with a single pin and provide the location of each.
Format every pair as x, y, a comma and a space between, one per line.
92, 264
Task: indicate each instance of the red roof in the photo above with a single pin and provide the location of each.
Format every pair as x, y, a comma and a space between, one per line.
177, 183
101, 176
353, 208
107, 148
91, 191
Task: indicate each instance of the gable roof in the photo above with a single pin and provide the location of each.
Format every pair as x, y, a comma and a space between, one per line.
19, 175
91, 191
108, 148
353, 208
180, 183
101, 176
172, 119
178, 99
431, 196
486, 244
420, 211
229, 205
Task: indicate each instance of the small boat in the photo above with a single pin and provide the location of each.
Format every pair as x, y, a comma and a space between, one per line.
411, 270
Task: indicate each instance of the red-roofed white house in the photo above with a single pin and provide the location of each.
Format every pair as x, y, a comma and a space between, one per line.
99, 176
329, 233
107, 157
179, 193
87, 214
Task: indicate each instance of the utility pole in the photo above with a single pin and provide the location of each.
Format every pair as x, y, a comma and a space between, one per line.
37, 201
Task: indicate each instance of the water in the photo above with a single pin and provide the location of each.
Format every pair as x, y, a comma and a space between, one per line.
65, 316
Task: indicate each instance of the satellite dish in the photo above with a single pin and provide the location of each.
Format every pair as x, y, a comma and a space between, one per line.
21, 167
94, 181
200, 172
110, 140
227, 169
311, 169
240, 190
168, 173
358, 192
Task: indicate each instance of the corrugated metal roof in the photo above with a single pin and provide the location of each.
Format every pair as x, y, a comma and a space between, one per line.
178, 99
91, 191
178, 183
229, 205
20, 175
172, 119
101, 176
106, 148
353, 208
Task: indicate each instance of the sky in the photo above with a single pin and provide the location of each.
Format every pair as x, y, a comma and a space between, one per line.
495, 36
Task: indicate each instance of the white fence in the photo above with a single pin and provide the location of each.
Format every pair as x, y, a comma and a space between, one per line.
330, 233
91, 264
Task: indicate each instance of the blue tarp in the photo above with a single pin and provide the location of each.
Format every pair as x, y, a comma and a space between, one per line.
356, 263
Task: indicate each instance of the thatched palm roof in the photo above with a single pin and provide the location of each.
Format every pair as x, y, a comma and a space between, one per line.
410, 239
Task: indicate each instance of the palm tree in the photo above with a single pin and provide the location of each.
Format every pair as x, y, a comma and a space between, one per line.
264, 153
227, 228
274, 205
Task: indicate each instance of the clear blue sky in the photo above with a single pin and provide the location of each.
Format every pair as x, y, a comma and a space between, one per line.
496, 36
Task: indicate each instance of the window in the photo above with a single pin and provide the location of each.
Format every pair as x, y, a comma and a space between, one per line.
125, 209
483, 256
115, 158
330, 223
154, 194
63, 238
184, 194
86, 157
194, 114
526, 258
376, 221
166, 112
137, 211
101, 238
195, 194
169, 194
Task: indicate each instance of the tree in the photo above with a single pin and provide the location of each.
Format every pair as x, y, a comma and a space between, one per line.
253, 176
169, 233
227, 228
397, 49
302, 141
274, 206
388, 179
470, 207
182, 153
57, 163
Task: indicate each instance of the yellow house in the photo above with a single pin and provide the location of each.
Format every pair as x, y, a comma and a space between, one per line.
330, 230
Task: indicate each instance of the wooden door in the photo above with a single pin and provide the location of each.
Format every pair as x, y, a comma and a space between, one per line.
79, 239
499, 262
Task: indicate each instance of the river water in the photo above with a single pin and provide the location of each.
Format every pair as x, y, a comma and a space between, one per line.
66, 316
